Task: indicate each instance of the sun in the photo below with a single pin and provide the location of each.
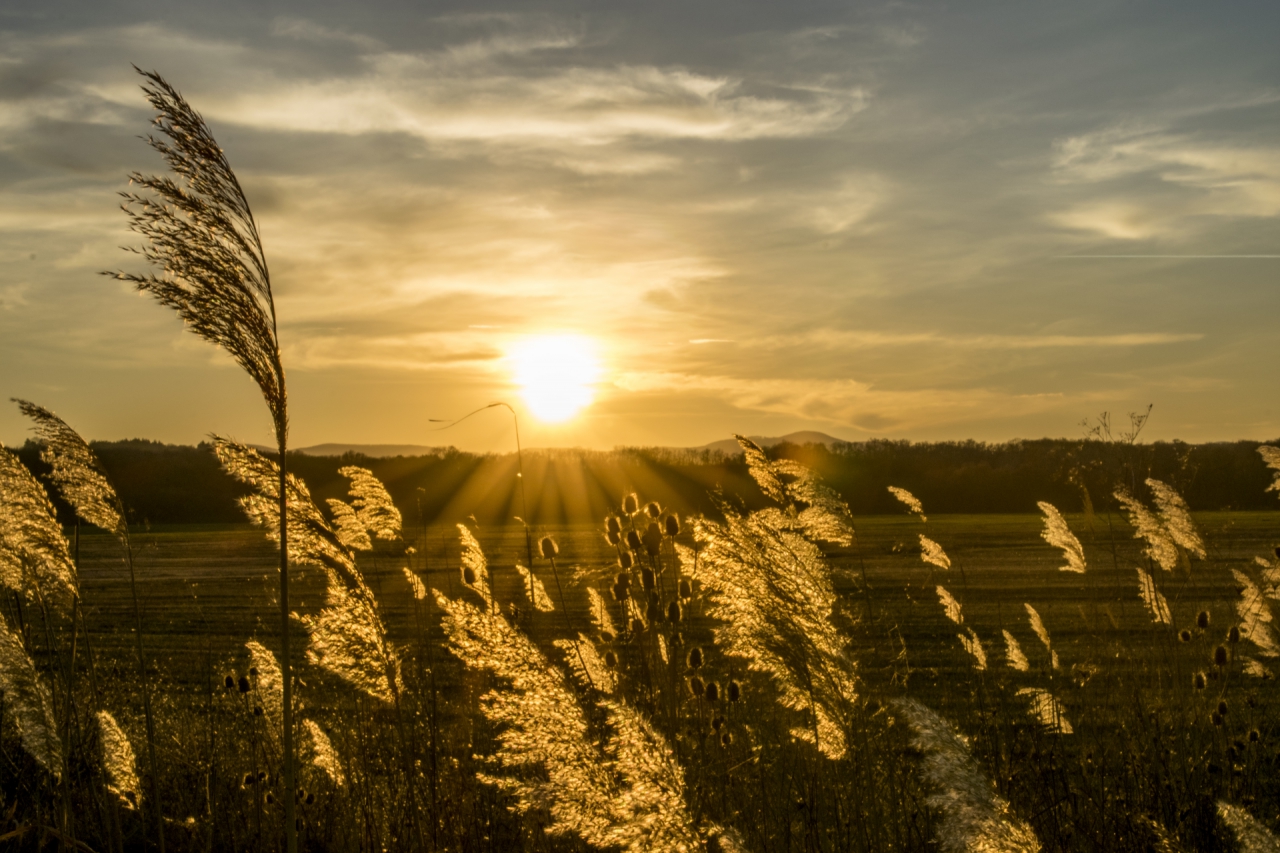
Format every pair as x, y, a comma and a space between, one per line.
556, 374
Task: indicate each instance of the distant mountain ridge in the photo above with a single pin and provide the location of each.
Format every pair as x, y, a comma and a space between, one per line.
375, 451
807, 436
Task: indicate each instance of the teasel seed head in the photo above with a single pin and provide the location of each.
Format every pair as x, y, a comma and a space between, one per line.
611, 660
607, 636
653, 539
301, 795
248, 780
713, 691
253, 672
735, 691
1198, 681
1233, 636
620, 592
244, 684
1216, 718
311, 798
1184, 635
630, 504
271, 798
612, 524
673, 612
716, 723
229, 682
1222, 707
696, 687
1202, 619
695, 658
648, 579
1254, 735
1220, 656
613, 537
686, 588
654, 611
626, 561
673, 525
653, 510
633, 541
468, 576
257, 710
726, 739
549, 547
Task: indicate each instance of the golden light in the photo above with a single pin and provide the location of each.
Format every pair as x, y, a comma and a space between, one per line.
556, 374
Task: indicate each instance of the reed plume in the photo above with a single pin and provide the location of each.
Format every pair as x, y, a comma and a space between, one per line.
1057, 534
599, 612
1271, 456
1255, 615
1250, 833
1047, 709
34, 557
1175, 516
973, 646
950, 606
28, 702
1037, 625
1013, 653
118, 761
317, 750
270, 685
1161, 548
909, 501
973, 817
586, 664
418, 588
475, 568
931, 552
630, 795
770, 590
1157, 606
535, 591
201, 234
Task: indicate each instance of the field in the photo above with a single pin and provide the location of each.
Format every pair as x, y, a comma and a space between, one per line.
1147, 755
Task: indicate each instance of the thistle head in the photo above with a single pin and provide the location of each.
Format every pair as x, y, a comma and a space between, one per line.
686, 588
673, 612
648, 579
611, 659
652, 510
1220, 656
696, 687
712, 691
633, 541
695, 658
1198, 681
1233, 635
735, 691
1184, 635
612, 524
630, 504
1202, 619
673, 525
549, 547
229, 681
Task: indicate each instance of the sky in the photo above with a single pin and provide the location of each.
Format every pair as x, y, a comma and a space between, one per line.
924, 221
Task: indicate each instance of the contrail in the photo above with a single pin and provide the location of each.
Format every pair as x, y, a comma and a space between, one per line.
1057, 257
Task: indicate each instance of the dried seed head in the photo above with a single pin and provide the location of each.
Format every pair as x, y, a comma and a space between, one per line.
653, 539
1220, 656
735, 691
1222, 707
468, 576
673, 612
248, 780
630, 504
1254, 736
626, 561
1184, 635
726, 739
612, 524
652, 509
613, 537
1198, 681
229, 681
696, 687
262, 775
654, 611
610, 660
257, 710
619, 591
686, 589
271, 798
244, 684
1216, 718
637, 625
549, 547
648, 579
633, 541
716, 723
673, 525
713, 692
1202, 619
1233, 636
695, 658
311, 798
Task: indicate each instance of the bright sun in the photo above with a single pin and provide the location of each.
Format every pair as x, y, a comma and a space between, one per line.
556, 374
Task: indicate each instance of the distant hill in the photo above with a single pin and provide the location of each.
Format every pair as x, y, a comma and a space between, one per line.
808, 436
375, 451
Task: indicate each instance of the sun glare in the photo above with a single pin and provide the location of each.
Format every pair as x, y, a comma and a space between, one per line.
556, 374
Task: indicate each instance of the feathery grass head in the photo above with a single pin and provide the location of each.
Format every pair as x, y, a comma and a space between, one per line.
1037, 625
77, 472
931, 552
1255, 616
1157, 606
317, 751
475, 568
587, 665
415, 584
1176, 517
202, 237
1047, 709
1250, 833
28, 703
349, 639
1013, 653
950, 606
909, 501
1057, 534
813, 509
1271, 456
118, 761
535, 591
973, 646
1160, 547
270, 684
34, 558
373, 506
972, 816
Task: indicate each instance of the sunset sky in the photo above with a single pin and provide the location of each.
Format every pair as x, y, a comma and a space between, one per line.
906, 220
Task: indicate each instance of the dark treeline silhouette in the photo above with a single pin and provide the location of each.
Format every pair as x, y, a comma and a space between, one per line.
175, 484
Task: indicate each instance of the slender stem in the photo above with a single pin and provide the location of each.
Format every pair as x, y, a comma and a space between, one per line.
146, 695
290, 817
